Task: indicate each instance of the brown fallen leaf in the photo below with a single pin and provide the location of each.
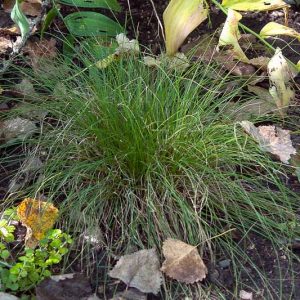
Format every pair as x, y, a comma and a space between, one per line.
140, 270
183, 262
204, 50
38, 50
14, 30
5, 44
271, 139
31, 8
38, 216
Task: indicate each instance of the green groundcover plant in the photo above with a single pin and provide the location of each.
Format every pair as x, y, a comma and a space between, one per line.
22, 269
146, 154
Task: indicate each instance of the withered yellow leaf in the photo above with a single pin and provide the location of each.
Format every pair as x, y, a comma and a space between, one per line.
230, 35
250, 5
183, 262
181, 17
273, 28
38, 216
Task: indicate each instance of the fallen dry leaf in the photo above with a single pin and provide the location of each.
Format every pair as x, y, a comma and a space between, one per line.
140, 270
183, 262
38, 216
5, 44
31, 8
204, 50
42, 49
271, 139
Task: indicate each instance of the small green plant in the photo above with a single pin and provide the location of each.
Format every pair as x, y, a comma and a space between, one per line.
22, 271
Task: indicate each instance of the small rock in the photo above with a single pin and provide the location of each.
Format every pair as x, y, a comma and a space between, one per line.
244, 295
5, 296
224, 263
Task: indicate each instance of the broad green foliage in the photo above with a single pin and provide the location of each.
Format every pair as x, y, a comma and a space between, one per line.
250, 5
87, 23
23, 270
181, 17
109, 4
20, 19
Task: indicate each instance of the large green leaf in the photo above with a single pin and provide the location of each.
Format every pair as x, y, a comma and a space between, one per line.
109, 4
87, 23
20, 19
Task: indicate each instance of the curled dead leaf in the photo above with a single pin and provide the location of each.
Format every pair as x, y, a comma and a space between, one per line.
183, 262
271, 139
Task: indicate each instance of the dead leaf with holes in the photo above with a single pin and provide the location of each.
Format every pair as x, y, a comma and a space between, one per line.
31, 8
140, 270
271, 139
281, 75
38, 216
183, 262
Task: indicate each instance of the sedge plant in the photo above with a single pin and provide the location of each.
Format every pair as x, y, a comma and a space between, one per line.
146, 154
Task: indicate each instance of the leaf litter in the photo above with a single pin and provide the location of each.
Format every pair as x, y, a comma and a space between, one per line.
271, 139
183, 262
139, 270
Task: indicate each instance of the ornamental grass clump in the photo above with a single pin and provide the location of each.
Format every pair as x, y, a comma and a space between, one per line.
146, 154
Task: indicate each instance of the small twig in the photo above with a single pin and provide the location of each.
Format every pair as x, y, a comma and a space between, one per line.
158, 20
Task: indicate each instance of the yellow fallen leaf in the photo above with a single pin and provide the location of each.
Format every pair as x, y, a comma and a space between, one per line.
250, 5
181, 17
230, 35
38, 216
273, 28
183, 262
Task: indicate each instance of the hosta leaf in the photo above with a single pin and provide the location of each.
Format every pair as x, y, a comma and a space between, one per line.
87, 23
250, 5
20, 19
273, 28
230, 35
181, 17
280, 75
109, 4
